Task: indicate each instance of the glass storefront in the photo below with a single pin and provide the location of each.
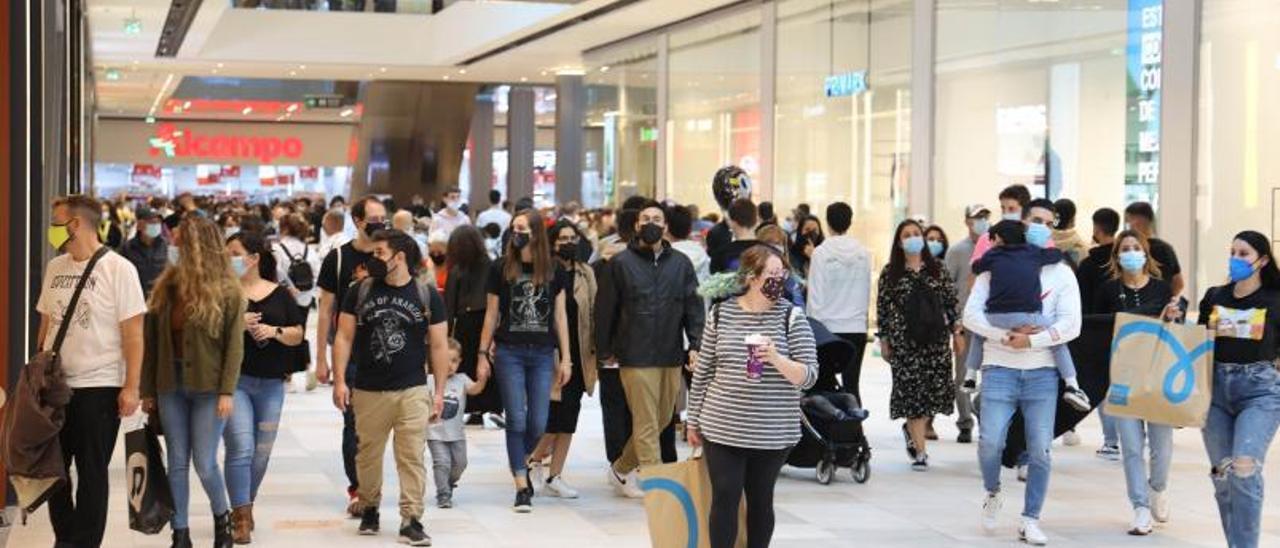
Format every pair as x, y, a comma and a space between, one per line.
621, 155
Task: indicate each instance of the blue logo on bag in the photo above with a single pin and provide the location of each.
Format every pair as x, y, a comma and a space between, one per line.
1118, 395
686, 502
1184, 367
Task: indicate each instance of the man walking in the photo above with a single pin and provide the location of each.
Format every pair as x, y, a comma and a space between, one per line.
840, 289
977, 220
101, 358
397, 328
148, 250
1140, 216
641, 326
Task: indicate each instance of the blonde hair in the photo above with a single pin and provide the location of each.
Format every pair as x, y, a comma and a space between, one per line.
202, 281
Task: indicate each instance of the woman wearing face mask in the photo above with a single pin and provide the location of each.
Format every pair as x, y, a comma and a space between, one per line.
578, 282
773, 236
191, 366
273, 332
807, 238
935, 240
1244, 318
757, 353
524, 299
918, 348
1135, 287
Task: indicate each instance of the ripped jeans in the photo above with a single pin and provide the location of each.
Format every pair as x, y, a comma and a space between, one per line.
250, 436
1241, 423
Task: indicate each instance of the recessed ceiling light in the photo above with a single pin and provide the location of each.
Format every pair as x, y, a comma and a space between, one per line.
293, 73
215, 71
346, 112
524, 79
292, 107
544, 73
246, 111
462, 71
186, 104
604, 68
302, 67
446, 77
382, 69
220, 65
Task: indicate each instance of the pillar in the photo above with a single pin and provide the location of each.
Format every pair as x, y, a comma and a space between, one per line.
920, 188
571, 106
1178, 120
481, 153
521, 137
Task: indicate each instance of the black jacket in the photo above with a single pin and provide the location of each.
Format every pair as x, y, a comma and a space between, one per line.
1091, 274
643, 306
149, 260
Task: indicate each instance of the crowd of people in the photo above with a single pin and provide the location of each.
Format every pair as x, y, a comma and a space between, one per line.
432, 319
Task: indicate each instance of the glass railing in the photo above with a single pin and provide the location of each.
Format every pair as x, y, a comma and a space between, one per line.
375, 6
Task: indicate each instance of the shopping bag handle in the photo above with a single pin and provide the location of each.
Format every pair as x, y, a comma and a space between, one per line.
696, 454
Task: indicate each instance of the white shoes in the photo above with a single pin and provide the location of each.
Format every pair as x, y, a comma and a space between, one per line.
1071, 438
557, 487
628, 487
1160, 506
537, 476
1030, 532
1141, 525
991, 511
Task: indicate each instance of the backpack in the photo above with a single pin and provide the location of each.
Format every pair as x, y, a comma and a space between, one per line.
301, 276
424, 295
927, 319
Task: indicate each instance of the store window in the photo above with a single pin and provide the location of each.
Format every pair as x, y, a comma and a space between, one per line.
1031, 93
1239, 183
621, 154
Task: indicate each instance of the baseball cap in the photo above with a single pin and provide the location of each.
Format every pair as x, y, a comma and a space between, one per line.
976, 210
146, 214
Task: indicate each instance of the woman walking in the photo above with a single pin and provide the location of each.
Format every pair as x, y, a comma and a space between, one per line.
194, 347
464, 298
272, 351
524, 298
1244, 317
578, 282
757, 356
916, 307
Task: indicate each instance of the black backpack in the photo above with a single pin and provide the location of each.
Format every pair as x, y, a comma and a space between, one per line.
926, 320
301, 276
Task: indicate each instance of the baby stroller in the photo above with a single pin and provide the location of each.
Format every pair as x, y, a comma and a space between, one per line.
831, 434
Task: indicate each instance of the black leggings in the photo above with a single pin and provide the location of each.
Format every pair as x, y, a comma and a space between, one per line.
733, 471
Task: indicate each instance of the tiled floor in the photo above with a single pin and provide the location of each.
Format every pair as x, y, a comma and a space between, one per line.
301, 501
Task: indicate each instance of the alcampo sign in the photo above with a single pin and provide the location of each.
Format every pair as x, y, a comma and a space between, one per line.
173, 141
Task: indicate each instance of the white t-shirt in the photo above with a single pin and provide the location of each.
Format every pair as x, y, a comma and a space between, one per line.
299, 250
92, 354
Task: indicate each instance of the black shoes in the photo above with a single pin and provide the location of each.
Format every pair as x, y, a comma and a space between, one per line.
524, 501
911, 445
412, 533
181, 538
369, 525
222, 537
966, 436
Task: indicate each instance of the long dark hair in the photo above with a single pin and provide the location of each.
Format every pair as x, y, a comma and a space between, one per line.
554, 234
255, 244
543, 270
466, 252
1269, 272
898, 258
946, 242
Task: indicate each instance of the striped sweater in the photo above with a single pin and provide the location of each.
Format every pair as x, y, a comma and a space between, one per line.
729, 409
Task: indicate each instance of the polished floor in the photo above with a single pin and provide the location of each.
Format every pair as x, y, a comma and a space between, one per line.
300, 503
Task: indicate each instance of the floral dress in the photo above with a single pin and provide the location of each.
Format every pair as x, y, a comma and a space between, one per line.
923, 382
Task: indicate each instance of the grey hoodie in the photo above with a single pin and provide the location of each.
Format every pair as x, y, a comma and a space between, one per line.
840, 285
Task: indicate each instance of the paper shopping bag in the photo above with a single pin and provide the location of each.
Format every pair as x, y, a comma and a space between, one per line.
1160, 372
677, 501
150, 501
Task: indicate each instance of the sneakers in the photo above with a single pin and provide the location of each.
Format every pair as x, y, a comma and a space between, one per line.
444, 502
411, 533
1141, 524
1160, 506
524, 501
911, 445
628, 487
1022, 473
1077, 399
369, 525
969, 386
1109, 452
494, 421
535, 474
1071, 438
1030, 532
921, 464
966, 436
557, 487
991, 511
353, 504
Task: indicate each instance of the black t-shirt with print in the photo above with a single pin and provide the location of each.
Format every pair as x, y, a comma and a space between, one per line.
526, 310
390, 346
338, 281
1246, 327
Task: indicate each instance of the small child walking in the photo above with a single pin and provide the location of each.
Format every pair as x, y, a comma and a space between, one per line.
445, 437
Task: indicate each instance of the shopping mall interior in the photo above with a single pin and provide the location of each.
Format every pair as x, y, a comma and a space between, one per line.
900, 108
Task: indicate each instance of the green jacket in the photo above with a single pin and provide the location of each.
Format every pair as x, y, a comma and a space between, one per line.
211, 364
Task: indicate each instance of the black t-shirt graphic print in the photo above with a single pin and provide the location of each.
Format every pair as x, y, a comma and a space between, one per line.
527, 309
390, 346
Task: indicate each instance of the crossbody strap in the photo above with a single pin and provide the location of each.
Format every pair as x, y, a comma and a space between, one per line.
69, 314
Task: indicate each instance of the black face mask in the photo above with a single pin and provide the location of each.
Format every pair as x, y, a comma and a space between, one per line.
568, 252
519, 240
377, 268
650, 233
437, 259
371, 228
773, 288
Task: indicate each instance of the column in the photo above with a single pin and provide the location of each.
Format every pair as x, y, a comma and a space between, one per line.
1180, 60
768, 95
920, 188
521, 137
571, 106
481, 153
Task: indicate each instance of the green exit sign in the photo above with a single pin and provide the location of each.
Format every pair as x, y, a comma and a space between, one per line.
112, 74
133, 26
648, 134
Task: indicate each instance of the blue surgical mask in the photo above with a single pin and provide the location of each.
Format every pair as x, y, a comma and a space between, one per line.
935, 248
981, 226
1133, 261
173, 254
913, 245
1038, 235
1239, 269
237, 264
152, 230
1012, 216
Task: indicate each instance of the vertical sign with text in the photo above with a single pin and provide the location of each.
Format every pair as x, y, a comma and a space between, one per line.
1143, 62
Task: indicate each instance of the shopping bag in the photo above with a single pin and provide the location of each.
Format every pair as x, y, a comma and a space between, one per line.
150, 501
677, 502
1160, 371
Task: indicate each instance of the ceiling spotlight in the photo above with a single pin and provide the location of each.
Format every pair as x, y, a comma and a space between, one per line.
604, 68
446, 77
186, 104
462, 71
544, 73
132, 26
246, 111
524, 78
219, 65
382, 69
293, 73
302, 67
215, 71
292, 107
346, 112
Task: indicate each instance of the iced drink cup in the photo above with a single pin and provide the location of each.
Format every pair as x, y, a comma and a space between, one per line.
755, 364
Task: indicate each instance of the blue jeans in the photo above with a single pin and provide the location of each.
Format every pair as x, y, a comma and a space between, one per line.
250, 435
1135, 435
1035, 393
523, 373
192, 430
1110, 432
1013, 320
1241, 423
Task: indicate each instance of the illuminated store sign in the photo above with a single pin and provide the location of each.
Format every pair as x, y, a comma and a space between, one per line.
173, 141
845, 85
1143, 61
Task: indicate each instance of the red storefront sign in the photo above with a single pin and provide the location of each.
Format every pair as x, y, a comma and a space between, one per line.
174, 141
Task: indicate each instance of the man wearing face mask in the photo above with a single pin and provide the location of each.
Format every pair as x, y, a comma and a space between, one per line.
641, 327
341, 267
1095, 267
450, 216
1013, 201
148, 250
977, 220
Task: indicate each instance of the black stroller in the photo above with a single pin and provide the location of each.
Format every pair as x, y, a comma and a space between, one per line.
831, 434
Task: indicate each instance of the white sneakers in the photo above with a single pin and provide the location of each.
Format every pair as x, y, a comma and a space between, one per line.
1141, 524
557, 487
1160, 506
1030, 532
991, 511
1071, 438
537, 475
628, 487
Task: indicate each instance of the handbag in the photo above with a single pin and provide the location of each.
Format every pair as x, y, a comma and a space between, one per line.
677, 503
150, 501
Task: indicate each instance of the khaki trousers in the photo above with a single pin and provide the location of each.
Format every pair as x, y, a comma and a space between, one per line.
651, 395
407, 413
